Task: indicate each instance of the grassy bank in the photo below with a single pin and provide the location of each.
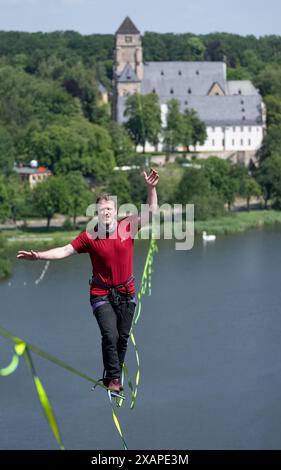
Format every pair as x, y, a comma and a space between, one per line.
238, 221
234, 222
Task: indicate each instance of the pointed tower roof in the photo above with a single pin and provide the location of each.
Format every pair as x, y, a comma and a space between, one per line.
127, 27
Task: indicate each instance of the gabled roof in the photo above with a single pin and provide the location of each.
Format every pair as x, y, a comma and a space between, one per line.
128, 74
127, 27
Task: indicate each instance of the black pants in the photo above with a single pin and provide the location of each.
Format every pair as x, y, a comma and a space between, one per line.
115, 325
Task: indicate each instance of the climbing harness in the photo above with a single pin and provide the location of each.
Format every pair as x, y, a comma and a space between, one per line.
114, 295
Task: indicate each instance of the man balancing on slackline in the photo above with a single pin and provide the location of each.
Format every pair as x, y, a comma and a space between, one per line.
112, 289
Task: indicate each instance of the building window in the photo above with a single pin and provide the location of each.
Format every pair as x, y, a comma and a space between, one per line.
186, 102
233, 128
233, 142
242, 101
128, 38
241, 128
241, 142
249, 129
258, 129
222, 142
153, 91
213, 142
249, 141
243, 118
179, 72
213, 129
162, 73
189, 91
171, 91
197, 72
243, 110
239, 91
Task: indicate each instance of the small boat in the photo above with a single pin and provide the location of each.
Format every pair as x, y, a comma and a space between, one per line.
208, 238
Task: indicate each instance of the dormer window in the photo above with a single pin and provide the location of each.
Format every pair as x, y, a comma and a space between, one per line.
243, 118
128, 39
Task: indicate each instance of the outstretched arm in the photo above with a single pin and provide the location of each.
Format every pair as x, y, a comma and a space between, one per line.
54, 253
152, 201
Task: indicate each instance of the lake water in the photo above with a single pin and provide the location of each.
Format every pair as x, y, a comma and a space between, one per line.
209, 344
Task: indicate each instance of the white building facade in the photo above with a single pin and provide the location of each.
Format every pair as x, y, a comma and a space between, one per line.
232, 110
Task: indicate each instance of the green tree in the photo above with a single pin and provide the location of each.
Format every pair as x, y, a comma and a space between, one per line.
219, 173
199, 133
195, 188
7, 151
18, 196
174, 131
269, 177
4, 200
119, 186
251, 188
122, 145
51, 197
271, 143
144, 118
273, 110
79, 196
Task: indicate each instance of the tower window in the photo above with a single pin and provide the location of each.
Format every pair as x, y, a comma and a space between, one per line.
128, 39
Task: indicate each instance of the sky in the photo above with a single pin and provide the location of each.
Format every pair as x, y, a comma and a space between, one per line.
244, 17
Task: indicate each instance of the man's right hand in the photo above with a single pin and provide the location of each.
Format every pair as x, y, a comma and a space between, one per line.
30, 255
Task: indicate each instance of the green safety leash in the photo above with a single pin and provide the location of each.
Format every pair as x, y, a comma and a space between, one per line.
145, 289
23, 348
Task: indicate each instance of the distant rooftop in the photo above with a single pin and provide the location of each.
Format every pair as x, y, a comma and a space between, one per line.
127, 27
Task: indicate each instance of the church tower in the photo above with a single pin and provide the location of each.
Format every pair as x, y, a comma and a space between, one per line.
128, 62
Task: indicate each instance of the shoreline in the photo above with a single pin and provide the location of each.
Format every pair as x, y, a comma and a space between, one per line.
235, 222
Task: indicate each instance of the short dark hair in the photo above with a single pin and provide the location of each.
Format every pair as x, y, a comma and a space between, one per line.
105, 197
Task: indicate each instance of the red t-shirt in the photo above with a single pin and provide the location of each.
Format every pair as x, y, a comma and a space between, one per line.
111, 257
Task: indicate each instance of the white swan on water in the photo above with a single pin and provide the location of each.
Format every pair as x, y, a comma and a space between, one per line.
208, 238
